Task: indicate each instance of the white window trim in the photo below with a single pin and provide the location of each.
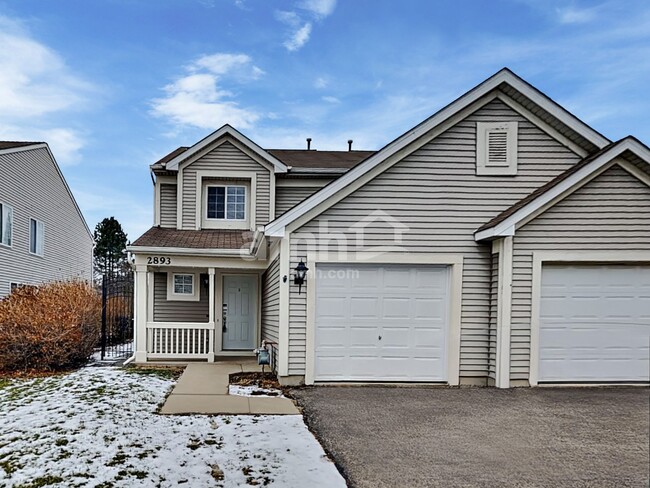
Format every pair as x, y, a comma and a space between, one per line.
225, 221
42, 235
181, 297
247, 178
483, 166
11, 235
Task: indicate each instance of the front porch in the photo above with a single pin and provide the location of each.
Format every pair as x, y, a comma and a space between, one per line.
196, 313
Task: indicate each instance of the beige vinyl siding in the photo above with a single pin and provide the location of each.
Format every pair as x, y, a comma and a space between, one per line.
168, 205
271, 301
610, 213
178, 311
494, 304
226, 157
288, 196
31, 184
436, 193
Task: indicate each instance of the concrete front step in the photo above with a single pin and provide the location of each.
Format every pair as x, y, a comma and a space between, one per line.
203, 389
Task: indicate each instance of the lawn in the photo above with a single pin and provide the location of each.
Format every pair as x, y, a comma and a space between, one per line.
98, 427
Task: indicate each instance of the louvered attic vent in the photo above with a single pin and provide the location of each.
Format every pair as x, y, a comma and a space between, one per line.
496, 144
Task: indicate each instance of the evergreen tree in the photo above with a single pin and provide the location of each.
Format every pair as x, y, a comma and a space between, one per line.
110, 248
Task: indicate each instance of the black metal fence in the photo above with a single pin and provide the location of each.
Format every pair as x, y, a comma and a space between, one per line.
117, 316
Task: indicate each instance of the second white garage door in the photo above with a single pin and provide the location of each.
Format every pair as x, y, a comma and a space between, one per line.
594, 323
381, 323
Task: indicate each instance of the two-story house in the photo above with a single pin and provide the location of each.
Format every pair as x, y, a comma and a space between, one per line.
502, 241
43, 235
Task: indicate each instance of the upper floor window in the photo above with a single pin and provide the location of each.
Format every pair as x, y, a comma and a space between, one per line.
496, 148
226, 202
6, 224
36, 237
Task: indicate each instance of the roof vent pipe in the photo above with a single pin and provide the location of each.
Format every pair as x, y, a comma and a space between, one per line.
350, 141
308, 143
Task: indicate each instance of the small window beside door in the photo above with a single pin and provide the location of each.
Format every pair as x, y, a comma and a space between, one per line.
183, 287
36, 237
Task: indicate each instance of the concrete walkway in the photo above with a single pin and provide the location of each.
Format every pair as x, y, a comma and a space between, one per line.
203, 389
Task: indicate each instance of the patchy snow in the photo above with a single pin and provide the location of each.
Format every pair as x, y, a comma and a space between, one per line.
97, 427
260, 392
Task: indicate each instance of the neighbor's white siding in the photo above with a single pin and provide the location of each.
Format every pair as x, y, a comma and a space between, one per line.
31, 184
610, 213
436, 193
226, 157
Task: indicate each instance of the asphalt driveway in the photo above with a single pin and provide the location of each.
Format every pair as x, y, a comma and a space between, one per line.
451, 437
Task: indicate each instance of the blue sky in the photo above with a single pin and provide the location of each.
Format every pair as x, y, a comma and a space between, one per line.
114, 85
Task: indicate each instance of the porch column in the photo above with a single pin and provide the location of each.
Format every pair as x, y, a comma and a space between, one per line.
140, 309
504, 314
211, 272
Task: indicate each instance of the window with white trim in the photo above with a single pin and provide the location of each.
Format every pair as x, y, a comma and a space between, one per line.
36, 237
496, 148
183, 286
6, 224
226, 202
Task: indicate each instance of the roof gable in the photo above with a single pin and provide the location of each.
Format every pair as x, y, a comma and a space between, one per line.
12, 147
224, 131
504, 223
502, 81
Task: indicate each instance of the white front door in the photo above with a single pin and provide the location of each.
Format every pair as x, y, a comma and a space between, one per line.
381, 323
239, 312
594, 323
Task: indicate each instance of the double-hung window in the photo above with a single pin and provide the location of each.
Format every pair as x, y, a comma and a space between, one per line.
226, 202
6, 224
36, 234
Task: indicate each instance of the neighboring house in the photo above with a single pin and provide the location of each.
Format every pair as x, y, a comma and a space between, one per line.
43, 235
512, 247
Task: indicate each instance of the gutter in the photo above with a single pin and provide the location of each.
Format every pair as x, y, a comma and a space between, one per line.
183, 251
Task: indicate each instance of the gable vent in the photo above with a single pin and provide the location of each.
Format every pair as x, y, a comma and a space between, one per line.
496, 148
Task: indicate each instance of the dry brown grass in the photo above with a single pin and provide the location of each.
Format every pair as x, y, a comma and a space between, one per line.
52, 327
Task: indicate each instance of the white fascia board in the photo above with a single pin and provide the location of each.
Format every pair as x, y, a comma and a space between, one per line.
503, 76
187, 251
507, 227
278, 165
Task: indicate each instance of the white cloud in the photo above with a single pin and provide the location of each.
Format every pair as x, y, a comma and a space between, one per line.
573, 15
299, 38
320, 8
197, 99
330, 99
300, 29
321, 83
36, 85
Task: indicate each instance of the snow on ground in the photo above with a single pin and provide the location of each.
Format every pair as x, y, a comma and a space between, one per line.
248, 391
97, 427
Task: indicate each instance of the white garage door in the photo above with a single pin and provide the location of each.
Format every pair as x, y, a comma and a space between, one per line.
594, 323
381, 323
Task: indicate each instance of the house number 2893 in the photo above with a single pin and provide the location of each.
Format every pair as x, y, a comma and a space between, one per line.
159, 260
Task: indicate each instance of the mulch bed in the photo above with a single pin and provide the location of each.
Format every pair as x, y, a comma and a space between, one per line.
268, 381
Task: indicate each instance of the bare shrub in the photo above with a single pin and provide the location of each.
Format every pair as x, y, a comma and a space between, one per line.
50, 327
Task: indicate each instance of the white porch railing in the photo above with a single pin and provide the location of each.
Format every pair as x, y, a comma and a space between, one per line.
180, 340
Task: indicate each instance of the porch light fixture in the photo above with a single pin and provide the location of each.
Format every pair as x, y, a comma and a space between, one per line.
301, 273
